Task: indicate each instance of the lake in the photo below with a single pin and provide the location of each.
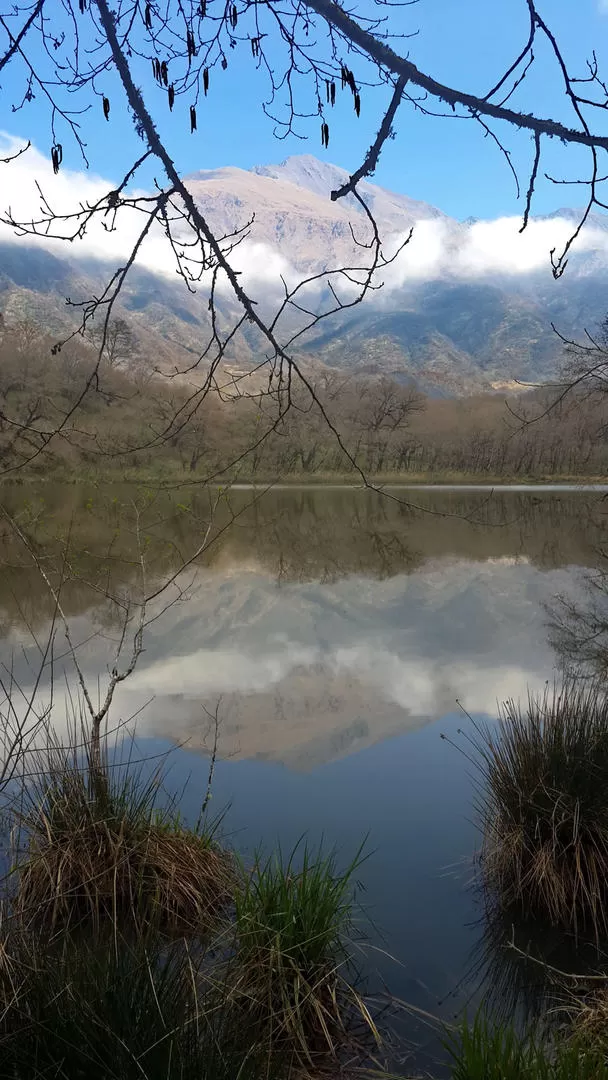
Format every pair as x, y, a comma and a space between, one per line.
339, 634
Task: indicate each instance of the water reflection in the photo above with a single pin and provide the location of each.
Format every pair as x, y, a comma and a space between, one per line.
291, 535
326, 621
339, 631
310, 672
530, 970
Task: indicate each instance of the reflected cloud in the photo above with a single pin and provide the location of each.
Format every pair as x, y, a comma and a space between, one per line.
309, 673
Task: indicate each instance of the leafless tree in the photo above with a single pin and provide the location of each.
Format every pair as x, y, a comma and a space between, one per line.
74, 57
116, 341
69, 57
582, 378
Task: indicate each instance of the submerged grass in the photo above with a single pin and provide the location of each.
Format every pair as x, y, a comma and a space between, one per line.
544, 806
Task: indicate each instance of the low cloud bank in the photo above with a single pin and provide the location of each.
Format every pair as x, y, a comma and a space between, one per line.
438, 249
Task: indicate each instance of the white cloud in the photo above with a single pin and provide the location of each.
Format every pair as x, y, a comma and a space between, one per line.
401, 638
23, 179
499, 246
493, 247
438, 248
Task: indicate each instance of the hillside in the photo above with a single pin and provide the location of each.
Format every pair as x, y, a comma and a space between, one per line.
452, 314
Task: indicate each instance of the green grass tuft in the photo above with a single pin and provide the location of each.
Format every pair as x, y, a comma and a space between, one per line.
117, 1008
486, 1051
293, 923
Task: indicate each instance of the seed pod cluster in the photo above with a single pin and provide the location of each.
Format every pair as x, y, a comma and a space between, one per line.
324, 134
106, 108
206, 80
192, 119
148, 17
348, 79
234, 16
191, 44
82, 6
330, 88
171, 96
255, 46
56, 156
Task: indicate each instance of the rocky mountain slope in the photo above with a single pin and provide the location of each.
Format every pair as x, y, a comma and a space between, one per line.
443, 316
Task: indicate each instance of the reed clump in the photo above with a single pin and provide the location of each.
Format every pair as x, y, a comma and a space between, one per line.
264, 995
588, 1014
543, 801
97, 847
133, 945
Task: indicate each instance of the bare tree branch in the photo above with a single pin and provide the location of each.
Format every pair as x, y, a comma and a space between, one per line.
371, 158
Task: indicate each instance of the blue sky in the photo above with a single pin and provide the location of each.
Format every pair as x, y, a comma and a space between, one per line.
442, 161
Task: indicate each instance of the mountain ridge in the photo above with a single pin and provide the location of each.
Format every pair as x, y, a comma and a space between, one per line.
441, 318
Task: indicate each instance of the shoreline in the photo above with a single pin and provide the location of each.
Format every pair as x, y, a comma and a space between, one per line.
445, 486
327, 481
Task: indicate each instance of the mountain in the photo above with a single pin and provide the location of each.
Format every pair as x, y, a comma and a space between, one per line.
295, 215
465, 306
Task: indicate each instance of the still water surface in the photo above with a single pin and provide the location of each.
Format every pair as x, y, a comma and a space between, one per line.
342, 635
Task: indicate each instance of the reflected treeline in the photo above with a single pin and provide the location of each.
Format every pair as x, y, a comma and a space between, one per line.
327, 533
91, 539
90, 543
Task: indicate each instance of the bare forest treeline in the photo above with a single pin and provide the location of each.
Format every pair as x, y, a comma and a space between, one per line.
377, 425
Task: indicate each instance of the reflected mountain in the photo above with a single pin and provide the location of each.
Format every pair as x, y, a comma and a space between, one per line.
308, 673
327, 621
